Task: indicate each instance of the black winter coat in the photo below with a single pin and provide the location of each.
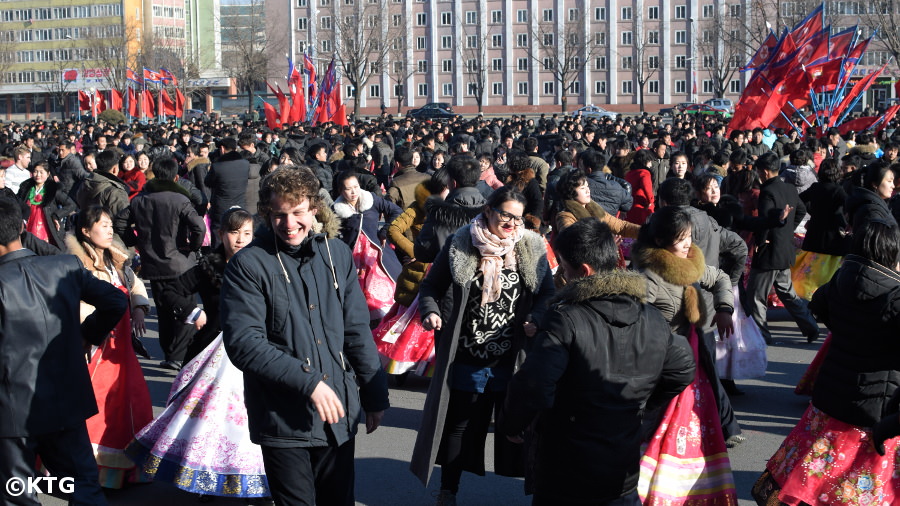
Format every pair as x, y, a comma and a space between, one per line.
601, 358
44, 385
612, 193
774, 238
70, 171
444, 218
864, 205
861, 307
287, 328
825, 205
227, 183
56, 206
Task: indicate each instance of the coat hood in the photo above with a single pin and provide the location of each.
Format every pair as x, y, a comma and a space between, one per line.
344, 210
157, 185
603, 284
89, 256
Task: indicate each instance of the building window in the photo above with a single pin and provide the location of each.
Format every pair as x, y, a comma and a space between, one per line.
326, 22
447, 66
301, 23
627, 38
573, 14
446, 18
600, 87
707, 86
653, 62
497, 64
522, 40
522, 16
446, 42
447, 89
627, 88
653, 87
548, 39
301, 3
420, 43
575, 88
471, 17
627, 62
735, 10
680, 86
600, 38
653, 12
707, 36
600, 63
653, 37
396, 19
496, 17
326, 46
522, 87
708, 62
600, 14
422, 90
708, 11
422, 66
680, 12
734, 86
548, 15
626, 13
680, 61
787, 9
680, 37
472, 65
398, 90
375, 90
497, 40
497, 88
522, 64
548, 88
421, 19
471, 41
471, 89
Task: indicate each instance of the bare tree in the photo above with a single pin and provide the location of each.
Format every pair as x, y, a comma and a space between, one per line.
401, 66
248, 41
7, 52
59, 85
722, 48
362, 30
563, 48
473, 54
646, 59
109, 48
884, 16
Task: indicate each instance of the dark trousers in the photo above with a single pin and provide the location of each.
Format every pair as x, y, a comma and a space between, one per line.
66, 454
632, 499
309, 476
174, 334
465, 434
758, 285
707, 355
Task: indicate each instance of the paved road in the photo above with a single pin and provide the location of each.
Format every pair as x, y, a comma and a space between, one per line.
767, 413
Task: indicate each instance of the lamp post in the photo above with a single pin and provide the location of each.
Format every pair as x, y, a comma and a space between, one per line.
693, 80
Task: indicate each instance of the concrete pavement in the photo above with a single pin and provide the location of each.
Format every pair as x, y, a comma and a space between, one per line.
767, 414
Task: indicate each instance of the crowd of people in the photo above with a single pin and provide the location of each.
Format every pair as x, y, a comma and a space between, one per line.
590, 290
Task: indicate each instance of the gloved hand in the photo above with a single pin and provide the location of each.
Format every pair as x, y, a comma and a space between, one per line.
887, 428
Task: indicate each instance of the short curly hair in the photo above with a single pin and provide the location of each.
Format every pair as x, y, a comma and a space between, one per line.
290, 184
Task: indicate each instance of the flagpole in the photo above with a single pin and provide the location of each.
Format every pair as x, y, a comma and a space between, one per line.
860, 95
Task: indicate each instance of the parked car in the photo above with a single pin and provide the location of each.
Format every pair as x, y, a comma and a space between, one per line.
595, 112
675, 109
193, 114
722, 104
705, 109
438, 105
430, 113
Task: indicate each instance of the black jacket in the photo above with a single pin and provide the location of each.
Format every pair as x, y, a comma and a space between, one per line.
71, 171
56, 206
44, 382
860, 373
165, 227
227, 183
287, 327
774, 238
443, 218
825, 205
104, 189
601, 358
864, 205
323, 173
612, 193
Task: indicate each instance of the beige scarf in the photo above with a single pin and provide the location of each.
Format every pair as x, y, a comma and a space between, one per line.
496, 254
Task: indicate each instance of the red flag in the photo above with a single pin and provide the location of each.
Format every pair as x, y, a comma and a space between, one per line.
888, 116
151, 76
340, 117
168, 77
99, 102
858, 124
284, 109
824, 77
147, 105
132, 102
84, 101
850, 97
815, 49
271, 116
115, 100
298, 105
168, 105
839, 43
809, 26
763, 53
179, 103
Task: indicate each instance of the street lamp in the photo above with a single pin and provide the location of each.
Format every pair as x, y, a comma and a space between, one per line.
693, 80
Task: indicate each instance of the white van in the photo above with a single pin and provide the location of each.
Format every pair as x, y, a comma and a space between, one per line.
722, 104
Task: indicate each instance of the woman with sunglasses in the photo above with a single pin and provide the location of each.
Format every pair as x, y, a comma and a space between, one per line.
485, 290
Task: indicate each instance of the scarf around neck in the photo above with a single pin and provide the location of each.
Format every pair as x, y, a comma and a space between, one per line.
496, 254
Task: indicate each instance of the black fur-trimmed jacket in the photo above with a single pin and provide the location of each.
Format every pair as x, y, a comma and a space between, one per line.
444, 219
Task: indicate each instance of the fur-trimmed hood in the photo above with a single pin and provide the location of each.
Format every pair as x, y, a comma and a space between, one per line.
864, 150
326, 222
197, 161
157, 185
343, 210
603, 284
591, 210
520, 179
674, 270
91, 258
422, 193
464, 258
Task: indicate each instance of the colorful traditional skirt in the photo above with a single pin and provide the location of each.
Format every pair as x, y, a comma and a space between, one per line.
743, 355
123, 403
812, 270
377, 285
403, 344
825, 461
201, 442
686, 461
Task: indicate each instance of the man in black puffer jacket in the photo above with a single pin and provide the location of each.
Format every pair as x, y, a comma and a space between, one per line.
602, 359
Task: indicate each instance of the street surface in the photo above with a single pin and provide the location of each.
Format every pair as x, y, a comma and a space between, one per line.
767, 413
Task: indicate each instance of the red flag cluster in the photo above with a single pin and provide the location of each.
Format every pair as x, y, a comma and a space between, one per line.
322, 106
133, 102
805, 67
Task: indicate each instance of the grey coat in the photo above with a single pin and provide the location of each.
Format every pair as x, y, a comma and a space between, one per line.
455, 267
